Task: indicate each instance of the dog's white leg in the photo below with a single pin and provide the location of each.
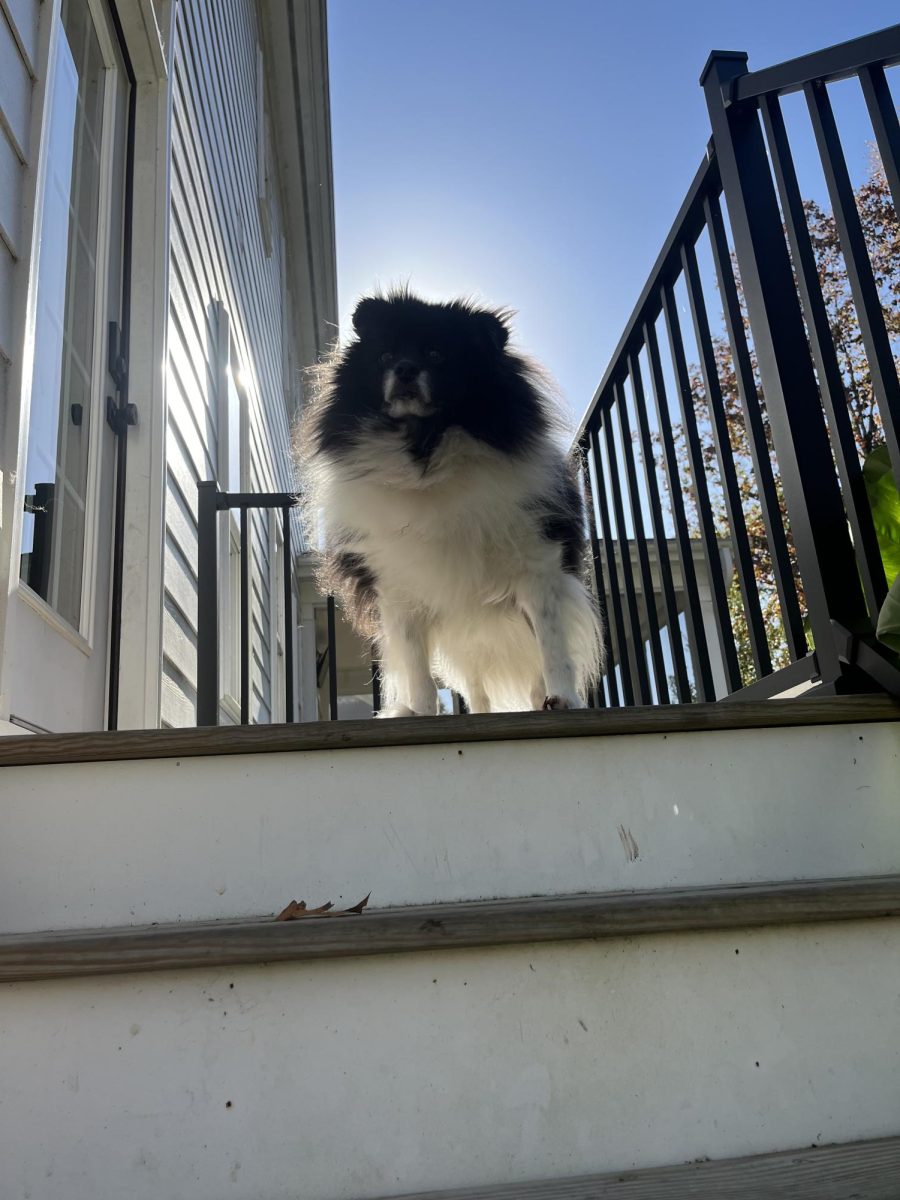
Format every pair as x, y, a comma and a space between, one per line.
477, 699
408, 684
545, 601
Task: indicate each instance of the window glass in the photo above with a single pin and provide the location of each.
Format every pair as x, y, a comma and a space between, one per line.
62, 399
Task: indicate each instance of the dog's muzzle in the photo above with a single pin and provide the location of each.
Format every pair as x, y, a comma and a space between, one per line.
406, 391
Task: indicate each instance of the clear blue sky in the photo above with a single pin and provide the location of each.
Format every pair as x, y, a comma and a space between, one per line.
534, 152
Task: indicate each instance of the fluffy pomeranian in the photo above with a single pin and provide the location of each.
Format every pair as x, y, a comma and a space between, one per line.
449, 517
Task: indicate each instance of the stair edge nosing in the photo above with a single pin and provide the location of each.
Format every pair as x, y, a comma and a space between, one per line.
443, 926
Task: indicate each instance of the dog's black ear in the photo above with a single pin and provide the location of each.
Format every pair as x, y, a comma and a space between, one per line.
494, 328
369, 314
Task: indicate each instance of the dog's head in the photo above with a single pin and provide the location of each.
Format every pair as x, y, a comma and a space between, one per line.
422, 359
420, 369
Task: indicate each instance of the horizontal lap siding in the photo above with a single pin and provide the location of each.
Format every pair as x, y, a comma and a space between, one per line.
10, 196
217, 255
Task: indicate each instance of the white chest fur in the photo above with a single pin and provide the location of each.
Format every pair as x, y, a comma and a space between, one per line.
462, 531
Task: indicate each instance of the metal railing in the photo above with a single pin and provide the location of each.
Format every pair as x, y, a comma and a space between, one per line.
680, 519
211, 502
327, 659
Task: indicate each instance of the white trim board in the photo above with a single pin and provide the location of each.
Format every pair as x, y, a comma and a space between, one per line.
140, 665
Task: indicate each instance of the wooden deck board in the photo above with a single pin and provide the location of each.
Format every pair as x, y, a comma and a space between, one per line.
856, 1171
420, 731
50, 955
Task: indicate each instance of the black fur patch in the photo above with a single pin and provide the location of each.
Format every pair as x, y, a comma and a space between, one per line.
476, 384
561, 517
350, 578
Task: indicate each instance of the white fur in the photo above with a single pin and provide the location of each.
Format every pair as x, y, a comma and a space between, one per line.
459, 561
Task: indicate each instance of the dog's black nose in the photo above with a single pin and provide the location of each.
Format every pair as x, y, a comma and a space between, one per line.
406, 370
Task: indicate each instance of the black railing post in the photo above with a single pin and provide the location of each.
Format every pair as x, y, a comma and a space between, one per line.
860, 275
663, 561
332, 660
883, 114
718, 585
207, 603
615, 597
773, 524
245, 617
290, 712
210, 503
812, 495
703, 677
599, 590
825, 358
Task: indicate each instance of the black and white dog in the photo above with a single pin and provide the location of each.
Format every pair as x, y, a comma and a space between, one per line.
453, 523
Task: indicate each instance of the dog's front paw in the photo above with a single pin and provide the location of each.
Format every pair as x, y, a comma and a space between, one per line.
396, 710
559, 703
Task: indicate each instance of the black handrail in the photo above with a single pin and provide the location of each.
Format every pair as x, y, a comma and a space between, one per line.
881, 48
815, 524
210, 503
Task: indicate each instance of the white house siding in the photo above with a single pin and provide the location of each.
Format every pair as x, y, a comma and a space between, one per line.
217, 256
18, 54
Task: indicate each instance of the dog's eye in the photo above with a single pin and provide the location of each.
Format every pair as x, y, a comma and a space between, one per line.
435, 356
387, 358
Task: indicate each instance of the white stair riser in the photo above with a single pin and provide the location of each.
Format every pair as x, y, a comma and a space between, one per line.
115, 843
376, 1076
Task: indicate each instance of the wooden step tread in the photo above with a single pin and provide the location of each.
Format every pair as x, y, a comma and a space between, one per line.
856, 1171
448, 926
42, 749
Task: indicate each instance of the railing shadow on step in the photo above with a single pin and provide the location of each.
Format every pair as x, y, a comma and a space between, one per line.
731, 530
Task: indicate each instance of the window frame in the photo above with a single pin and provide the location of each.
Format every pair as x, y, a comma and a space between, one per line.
83, 634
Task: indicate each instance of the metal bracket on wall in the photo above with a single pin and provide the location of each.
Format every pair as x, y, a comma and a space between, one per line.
120, 416
116, 361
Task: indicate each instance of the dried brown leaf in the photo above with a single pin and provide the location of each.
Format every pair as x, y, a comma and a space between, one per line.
296, 911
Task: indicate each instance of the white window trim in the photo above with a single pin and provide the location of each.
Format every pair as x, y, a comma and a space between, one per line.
149, 30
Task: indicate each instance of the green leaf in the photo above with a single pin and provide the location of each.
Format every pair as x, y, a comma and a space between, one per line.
888, 630
885, 502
